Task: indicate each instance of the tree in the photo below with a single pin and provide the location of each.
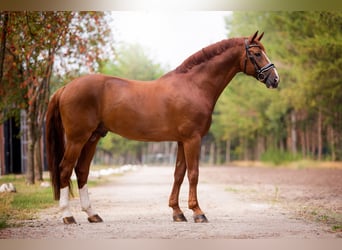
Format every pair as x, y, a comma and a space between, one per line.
33, 42
4, 23
315, 50
132, 61
304, 114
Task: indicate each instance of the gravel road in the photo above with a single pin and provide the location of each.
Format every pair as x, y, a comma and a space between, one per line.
240, 203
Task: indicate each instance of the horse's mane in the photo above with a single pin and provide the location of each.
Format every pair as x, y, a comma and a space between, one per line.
206, 54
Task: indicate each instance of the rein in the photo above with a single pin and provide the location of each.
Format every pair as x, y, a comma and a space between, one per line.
259, 72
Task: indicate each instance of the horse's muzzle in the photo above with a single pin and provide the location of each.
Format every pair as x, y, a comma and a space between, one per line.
272, 82
269, 78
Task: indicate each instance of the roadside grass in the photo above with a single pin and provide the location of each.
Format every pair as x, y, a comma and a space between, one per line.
325, 216
232, 190
295, 164
277, 157
328, 217
24, 204
274, 159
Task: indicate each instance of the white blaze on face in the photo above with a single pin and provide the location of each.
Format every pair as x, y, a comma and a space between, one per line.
269, 61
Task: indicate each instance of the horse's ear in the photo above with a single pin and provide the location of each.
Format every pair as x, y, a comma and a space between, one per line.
254, 36
259, 38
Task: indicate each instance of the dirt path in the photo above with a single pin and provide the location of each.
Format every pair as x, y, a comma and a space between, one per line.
239, 203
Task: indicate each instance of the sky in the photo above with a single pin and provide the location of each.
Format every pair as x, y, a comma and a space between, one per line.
170, 37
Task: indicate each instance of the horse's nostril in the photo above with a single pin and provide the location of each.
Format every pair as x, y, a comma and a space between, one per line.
276, 79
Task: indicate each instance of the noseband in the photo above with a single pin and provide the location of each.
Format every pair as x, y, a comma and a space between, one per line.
259, 72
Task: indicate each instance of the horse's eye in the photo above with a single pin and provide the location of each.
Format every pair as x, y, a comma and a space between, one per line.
257, 54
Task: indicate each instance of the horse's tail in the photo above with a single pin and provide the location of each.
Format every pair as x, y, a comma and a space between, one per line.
54, 141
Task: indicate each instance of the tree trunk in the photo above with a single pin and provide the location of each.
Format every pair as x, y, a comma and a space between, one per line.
281, 145
212, 153
173, 152
30, 158
38, 166
203, 156
307, 142
218, 153
302, 142
331, 136
4, 16
260, 147
319, 135
293, 133
228, 151
245, 149
166, 153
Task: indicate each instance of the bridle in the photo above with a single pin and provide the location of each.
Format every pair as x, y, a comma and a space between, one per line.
259, 71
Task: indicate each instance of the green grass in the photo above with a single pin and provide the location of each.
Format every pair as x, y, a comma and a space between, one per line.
29, 199
337, 228
232, 190
333, 219
278, 157
25, 203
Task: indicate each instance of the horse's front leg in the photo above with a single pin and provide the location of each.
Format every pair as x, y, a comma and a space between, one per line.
179, 174
192, 154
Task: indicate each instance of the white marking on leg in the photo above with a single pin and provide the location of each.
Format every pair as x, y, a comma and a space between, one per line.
64, 202
85, 202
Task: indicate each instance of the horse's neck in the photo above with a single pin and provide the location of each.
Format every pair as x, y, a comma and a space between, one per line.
216, 74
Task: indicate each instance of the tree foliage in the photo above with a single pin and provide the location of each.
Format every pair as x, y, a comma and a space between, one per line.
305, 113
34, 46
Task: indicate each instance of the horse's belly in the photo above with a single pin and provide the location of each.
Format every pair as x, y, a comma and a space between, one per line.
143, 131
143, 127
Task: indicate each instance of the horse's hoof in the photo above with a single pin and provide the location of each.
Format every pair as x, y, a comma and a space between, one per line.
95, 218
179, 218
200, 218
69, 220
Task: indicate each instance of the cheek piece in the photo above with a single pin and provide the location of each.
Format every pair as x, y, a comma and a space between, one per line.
259, 71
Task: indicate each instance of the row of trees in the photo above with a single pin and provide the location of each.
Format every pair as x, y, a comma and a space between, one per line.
36, 46
303, 118
39, 51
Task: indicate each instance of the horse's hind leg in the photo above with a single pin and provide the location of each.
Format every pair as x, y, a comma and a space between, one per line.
71, 154
179, 174
82, 172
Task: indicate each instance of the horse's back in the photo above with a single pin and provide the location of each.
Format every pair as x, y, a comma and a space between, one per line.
89, 90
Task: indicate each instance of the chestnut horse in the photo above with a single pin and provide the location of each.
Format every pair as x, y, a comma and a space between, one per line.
176, 107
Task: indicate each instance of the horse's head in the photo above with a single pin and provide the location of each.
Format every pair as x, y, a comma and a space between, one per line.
257, 64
